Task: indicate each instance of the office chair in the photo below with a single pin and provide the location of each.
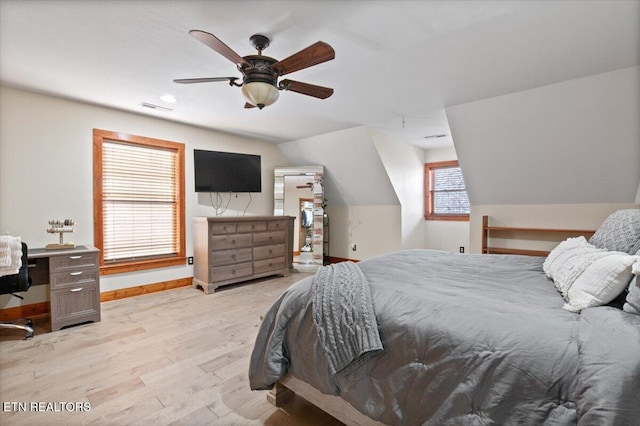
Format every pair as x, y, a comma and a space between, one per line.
11, 284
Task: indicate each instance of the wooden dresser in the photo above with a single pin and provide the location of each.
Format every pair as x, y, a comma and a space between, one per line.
73, 276
230, 249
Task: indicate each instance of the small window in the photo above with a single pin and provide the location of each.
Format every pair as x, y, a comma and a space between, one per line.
138, 202
445, 193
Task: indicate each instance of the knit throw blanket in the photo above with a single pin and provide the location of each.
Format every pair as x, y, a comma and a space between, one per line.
344, 317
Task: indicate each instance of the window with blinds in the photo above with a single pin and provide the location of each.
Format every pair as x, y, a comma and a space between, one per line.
445, 193
139, 201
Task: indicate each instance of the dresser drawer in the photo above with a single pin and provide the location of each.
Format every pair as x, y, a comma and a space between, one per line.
271, 237
73, 277
72, 261
252, 226
223, 273
225, 242
228, 257
267, 265
265, 252
75, 304
277, 225
222, 228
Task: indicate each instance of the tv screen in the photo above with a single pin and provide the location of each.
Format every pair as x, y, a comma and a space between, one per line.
226, 172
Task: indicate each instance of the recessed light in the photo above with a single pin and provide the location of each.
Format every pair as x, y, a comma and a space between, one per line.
170, 99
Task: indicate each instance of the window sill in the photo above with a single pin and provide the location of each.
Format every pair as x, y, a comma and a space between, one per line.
459, 218
119, 268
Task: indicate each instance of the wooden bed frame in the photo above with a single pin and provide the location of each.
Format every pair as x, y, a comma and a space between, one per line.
330, 404
342, 410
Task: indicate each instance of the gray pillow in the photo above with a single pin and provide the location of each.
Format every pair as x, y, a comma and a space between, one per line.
619, 232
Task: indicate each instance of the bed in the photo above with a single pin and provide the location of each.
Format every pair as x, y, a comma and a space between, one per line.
430, 337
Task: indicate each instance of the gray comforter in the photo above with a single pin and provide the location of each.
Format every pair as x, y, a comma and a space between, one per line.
468, 340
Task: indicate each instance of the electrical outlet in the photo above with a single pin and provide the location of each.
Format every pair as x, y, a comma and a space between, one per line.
190, 260
353, 247
461, 249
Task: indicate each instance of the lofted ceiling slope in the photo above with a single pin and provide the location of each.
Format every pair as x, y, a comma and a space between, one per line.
355, 177
569, 143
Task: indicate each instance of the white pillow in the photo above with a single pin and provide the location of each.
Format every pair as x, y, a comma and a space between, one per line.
601, 282
568, 260
561, 249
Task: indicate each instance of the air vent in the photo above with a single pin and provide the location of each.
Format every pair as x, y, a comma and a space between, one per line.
152, 106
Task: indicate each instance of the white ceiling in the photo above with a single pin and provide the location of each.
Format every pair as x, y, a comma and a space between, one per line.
395, 60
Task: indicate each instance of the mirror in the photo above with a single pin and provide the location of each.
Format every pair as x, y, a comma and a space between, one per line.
299, 192
305, 227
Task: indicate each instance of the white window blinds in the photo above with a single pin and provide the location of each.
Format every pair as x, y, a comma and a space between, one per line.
139, 188
449, 193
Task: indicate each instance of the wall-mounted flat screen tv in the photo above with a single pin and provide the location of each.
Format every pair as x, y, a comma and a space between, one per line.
217, 171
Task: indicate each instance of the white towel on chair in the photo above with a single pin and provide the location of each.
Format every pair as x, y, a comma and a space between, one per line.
5, 251
10, 255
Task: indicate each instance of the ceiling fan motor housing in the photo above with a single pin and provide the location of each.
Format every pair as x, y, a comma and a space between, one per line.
260, 71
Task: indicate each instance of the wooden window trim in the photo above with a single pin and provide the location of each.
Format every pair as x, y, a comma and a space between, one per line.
180, 257
428, 193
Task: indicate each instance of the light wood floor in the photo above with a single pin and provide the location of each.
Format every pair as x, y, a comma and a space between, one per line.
178, 357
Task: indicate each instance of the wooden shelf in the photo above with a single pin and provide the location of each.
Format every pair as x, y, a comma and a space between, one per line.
503, 250
539, 230
558, 234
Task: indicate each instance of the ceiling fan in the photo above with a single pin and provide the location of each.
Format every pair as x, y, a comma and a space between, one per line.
260, 73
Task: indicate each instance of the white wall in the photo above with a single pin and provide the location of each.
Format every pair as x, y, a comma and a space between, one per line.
445, 234
46, 172
374, 229
573, 142
404, 165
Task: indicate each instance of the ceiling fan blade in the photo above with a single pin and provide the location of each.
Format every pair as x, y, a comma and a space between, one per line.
216, 44
204, 80
248, 105
315, 54
306, 89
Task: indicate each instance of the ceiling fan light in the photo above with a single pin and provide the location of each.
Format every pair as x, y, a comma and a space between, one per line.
259, 93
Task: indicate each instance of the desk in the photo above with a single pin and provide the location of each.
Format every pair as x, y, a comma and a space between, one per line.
73, 276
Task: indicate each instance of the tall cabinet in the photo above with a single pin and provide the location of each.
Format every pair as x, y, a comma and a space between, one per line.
232, 249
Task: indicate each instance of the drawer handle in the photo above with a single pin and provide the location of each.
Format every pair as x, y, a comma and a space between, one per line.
75, 257
270, 251
270, 238
233, 241
270, 264
76, 289
233, 271
233, 256
73, 274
